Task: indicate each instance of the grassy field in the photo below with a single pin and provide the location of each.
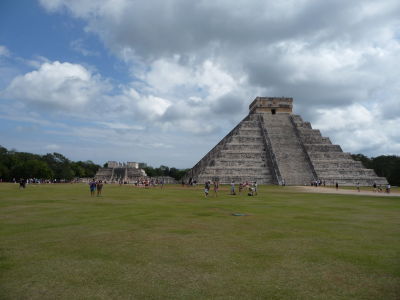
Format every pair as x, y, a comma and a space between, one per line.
57, 242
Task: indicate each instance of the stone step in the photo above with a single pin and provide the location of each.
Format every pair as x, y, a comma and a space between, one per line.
280, 139
322, 148
249, 132
244, 147
312, 139
225, 154
309, 131
298, 179
237, 179
227, 151
235, 172
344, 172
324, 164
247, 139
249, 124
246, 163
329, 155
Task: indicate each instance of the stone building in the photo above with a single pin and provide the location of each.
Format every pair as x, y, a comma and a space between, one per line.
273, 146
116, 171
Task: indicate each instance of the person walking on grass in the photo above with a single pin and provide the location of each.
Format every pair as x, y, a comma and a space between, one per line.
99, 187
255, 186
233, 188
92, 186
337, 185
162, 183
207, 188
216, 187
358, 186
22, 183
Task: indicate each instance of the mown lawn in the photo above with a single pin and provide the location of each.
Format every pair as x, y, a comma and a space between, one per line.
57, 242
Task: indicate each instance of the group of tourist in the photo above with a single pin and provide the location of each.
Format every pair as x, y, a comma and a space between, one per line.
207, 187
146, 183
95, 186
317, 183
379, 188
23, 182
252, 188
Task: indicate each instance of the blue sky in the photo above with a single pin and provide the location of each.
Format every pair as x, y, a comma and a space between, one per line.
163, 81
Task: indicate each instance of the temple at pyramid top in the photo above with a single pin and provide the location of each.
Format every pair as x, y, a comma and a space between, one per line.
272, 105
271, 145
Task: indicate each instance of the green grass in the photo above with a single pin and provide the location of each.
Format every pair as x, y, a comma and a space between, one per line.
57, 242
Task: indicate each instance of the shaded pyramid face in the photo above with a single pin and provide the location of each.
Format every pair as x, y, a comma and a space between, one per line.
273, 146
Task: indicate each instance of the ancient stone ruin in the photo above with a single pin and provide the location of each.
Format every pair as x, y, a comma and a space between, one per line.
116, 172
273, 146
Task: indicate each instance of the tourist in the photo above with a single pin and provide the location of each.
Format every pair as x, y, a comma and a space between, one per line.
99, 187
255, 188
92, 186
337, 185
388, 188
358, 186
22, 183
216, 187
374, 186
207, 188
251, 191
233, 188
162, 183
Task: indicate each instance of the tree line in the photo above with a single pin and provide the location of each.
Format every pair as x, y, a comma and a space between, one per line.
175, 173
16, 165
385, 165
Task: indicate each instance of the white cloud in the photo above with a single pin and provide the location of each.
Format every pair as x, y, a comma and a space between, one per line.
52, 147
79, 46
57, 85
153, 107
360, 130
4, 51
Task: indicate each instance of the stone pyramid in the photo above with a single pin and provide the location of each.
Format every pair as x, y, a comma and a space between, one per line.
273, 146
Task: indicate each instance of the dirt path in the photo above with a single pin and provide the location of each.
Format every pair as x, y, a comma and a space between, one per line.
325, 190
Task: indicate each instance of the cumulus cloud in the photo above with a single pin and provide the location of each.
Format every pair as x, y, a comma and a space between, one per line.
360, 130
56, 85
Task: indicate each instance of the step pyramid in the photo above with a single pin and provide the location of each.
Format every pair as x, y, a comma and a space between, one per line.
273, 146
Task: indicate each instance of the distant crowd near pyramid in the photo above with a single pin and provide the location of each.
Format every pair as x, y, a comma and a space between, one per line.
273, 146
